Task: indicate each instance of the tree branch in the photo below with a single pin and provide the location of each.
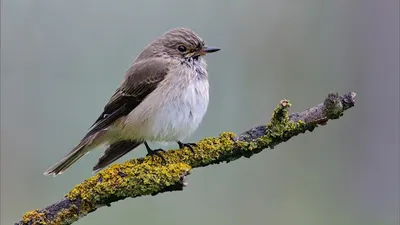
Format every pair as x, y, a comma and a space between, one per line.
144, 176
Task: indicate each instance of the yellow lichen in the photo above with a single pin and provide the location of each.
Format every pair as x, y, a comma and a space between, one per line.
34, 217
129, 179
280, 127
67, 216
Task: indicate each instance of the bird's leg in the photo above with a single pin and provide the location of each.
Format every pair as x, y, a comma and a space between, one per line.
154, 152
189, 145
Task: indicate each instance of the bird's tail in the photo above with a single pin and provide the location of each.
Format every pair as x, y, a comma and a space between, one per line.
114, 152
67, 161
78, 152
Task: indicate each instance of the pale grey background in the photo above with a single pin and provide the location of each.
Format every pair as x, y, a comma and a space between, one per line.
61, 61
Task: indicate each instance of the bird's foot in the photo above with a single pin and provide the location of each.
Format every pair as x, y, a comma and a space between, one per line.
152, 152
189, 145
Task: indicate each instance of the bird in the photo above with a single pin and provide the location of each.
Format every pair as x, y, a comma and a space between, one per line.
163, 98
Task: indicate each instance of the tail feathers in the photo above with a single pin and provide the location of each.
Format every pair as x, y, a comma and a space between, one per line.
86, 144
67, 161
114, 152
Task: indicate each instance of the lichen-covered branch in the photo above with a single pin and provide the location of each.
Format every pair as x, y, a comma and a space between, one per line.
145, 176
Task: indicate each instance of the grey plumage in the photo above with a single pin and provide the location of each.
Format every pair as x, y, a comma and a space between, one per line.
138, 111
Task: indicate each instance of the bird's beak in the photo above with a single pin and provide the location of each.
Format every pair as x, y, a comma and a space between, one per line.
207, 50
210, 49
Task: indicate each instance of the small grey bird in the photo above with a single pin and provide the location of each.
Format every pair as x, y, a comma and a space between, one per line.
163, 98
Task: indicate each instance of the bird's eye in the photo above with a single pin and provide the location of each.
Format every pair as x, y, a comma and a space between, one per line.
182, 48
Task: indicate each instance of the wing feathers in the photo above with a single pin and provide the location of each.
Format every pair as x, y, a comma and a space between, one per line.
140, 80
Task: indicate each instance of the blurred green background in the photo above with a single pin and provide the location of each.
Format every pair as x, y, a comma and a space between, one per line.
62, 60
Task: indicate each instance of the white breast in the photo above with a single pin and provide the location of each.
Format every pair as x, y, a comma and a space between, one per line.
173, 111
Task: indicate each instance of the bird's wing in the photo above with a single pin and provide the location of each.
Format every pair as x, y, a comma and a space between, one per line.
141, 79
